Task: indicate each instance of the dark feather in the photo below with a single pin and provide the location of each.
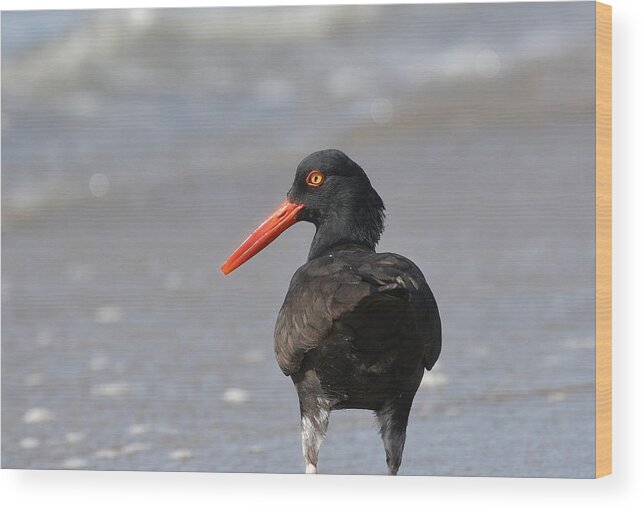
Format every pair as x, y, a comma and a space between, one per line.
359, 318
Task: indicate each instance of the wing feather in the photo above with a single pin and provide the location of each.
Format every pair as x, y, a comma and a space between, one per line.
325, 289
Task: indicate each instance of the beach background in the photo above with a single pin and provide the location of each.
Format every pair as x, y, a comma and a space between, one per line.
139, 147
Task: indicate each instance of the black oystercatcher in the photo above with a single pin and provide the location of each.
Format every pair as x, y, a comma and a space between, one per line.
357, 328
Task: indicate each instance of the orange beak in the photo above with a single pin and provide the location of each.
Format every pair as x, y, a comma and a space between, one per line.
285, 216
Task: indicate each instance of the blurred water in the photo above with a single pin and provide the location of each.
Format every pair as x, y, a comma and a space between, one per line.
140, 146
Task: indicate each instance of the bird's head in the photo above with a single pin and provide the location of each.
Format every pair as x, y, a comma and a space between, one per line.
331, 191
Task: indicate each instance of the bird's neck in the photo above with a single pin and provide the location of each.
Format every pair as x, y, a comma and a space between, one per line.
360, 226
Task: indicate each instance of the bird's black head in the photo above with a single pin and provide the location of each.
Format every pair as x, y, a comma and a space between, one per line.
332, 192
338, 199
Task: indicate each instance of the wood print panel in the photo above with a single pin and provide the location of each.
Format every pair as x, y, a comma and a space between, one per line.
603, 239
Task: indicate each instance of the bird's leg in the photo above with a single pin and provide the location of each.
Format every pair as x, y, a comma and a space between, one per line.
393, 418
314, 422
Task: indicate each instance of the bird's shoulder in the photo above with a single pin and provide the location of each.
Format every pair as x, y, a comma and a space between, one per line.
329, 287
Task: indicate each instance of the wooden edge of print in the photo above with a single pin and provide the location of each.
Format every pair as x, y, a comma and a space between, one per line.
603, 239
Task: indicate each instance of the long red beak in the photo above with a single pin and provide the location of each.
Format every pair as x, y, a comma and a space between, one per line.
285, 216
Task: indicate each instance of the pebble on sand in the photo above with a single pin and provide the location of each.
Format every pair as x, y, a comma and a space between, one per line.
29, 442
434, 380
74, 463
37, 415
74, 437
180, 455
236, 395
556, 396
138, 428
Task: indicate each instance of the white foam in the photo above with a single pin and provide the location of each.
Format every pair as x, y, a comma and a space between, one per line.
37, 415
236, 395
180, 455
138, 428
105, 453
29, 442
556, 396
434, 380
74, 437
74, 463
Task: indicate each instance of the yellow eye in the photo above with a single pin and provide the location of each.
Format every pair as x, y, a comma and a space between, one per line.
315, 178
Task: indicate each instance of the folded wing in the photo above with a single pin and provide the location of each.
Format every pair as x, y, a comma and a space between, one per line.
354, 288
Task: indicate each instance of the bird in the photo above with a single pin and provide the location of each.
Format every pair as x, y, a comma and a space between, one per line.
357, 328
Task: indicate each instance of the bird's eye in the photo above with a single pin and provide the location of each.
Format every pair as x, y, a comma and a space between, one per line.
315, 178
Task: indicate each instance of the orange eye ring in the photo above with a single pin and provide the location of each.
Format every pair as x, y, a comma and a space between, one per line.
315, 178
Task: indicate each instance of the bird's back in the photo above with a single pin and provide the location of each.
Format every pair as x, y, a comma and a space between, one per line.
360, 325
